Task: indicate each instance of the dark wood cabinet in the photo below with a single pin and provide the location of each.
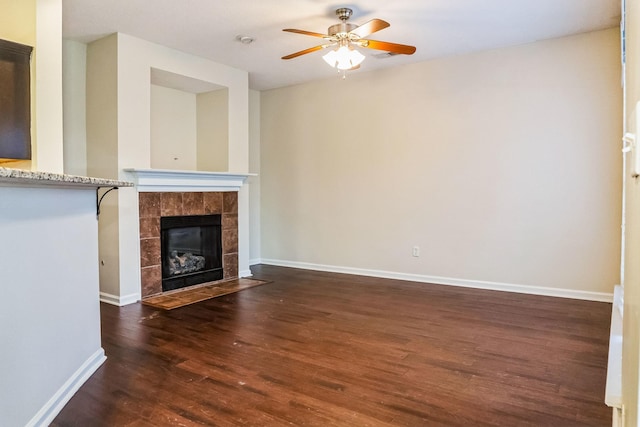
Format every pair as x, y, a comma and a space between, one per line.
15, 100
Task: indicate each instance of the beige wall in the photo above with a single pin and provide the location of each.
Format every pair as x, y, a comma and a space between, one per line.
213, 130
119, 137
102, 150
631, 319
189, 131
18, 24
173, 129
18, 21
39, 24
502, 166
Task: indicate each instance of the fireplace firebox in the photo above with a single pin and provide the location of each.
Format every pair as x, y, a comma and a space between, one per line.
191, 250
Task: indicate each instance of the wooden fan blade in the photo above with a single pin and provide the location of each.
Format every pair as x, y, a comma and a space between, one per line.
304, 52
370, 28
389, 47
307, 33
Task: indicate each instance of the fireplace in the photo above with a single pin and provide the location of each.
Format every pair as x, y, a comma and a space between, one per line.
156, 208
191, 250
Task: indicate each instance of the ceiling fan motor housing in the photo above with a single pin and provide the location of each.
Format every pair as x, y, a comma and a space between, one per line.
341, 28
344, 13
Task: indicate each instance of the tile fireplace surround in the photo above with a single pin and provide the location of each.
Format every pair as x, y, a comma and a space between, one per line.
154, 205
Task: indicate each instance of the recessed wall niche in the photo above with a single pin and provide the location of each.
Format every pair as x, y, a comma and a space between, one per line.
189, 123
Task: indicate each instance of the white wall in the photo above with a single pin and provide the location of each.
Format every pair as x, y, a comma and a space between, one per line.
502, 166
631, 318
50, 319
173, 129
254, 181
48, 151
74, 82
213, 130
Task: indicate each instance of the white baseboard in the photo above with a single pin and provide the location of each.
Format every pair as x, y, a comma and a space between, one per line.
478, 284
117, 300
52, 408
617, 419
613, 389
245, 273
255, 261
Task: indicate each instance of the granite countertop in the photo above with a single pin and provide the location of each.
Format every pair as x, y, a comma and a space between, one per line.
20, 177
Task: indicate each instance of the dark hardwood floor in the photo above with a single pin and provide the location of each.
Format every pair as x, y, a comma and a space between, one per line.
322, 349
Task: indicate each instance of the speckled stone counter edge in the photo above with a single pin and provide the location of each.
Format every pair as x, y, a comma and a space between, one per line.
22, 177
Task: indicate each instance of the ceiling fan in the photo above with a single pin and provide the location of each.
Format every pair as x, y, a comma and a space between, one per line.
344, 37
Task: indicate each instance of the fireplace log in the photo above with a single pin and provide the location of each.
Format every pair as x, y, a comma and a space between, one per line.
185, 263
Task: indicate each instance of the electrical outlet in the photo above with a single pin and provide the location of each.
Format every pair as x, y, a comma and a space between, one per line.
416, 251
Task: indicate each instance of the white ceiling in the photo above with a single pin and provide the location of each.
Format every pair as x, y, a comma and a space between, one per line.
437, 28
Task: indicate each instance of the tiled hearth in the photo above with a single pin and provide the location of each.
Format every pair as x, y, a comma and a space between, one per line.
154, 205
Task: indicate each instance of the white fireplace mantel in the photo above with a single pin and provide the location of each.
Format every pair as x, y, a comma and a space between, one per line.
166, 180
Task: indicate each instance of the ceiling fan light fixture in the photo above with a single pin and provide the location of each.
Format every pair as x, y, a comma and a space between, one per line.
344, 58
